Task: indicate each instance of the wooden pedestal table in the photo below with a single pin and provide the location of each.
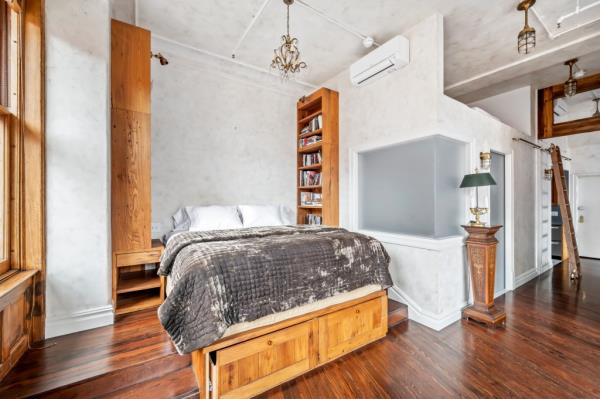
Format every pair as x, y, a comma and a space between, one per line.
481, 253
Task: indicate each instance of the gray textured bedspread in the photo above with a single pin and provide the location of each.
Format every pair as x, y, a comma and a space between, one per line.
225, 277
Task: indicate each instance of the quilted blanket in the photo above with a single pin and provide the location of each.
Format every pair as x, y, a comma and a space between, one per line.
225, 277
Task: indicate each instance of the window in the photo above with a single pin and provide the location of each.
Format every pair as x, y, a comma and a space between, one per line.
412, 187
9, 22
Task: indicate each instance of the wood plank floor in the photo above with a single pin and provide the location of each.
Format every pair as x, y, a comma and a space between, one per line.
550, 348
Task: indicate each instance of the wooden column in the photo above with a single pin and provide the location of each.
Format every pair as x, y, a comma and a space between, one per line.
481, 253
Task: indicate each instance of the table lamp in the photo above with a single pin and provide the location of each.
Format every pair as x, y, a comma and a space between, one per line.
477, 180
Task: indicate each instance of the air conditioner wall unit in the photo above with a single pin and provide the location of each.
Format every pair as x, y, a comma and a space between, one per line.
387, 58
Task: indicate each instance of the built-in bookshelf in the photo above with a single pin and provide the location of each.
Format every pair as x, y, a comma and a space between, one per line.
317, 158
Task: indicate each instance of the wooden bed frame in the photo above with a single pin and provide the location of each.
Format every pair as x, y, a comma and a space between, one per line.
251, 362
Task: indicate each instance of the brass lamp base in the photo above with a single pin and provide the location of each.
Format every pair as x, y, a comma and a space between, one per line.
477, 212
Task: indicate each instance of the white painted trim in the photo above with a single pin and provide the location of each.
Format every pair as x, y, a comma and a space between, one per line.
431, 244
526, 277
79, 321
422, 316
509, 220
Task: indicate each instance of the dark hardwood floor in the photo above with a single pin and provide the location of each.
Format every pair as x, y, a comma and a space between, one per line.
550, 348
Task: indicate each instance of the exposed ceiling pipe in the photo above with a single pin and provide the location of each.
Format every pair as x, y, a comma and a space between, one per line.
367, 40
249, 27
578, 10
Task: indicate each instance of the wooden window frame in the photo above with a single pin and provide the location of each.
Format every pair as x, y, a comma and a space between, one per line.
11, 130
26, 155
546, 126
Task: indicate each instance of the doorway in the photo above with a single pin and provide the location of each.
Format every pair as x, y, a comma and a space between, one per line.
498, 217
588, 216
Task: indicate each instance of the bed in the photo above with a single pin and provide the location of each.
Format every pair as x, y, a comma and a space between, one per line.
256, 306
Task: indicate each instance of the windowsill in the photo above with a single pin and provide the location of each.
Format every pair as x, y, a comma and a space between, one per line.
16, 282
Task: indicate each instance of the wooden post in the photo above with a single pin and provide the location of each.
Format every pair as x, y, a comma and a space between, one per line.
481, 251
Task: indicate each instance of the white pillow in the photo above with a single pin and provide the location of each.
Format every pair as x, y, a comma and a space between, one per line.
203, 218
261, 215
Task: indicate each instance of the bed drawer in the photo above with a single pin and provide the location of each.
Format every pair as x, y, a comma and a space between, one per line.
254, 366
343, 331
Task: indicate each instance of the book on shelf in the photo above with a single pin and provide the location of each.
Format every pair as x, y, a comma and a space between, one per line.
315, 123
311, 218
310, 178
312, 158
309, 140
308, 198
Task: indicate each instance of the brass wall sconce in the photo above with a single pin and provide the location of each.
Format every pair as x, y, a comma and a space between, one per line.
485, 159
548, 174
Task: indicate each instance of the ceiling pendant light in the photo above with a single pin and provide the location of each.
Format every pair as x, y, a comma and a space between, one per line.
287, 55
597, 113
570, 88
526, 38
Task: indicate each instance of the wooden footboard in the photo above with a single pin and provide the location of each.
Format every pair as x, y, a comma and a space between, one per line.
249, 363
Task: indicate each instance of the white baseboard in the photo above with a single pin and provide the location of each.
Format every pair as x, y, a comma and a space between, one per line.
79, 321
525, 277
436, 322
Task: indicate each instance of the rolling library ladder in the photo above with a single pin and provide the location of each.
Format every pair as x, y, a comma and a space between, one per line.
558, 173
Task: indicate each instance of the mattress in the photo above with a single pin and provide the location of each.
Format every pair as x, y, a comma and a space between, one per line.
297, 311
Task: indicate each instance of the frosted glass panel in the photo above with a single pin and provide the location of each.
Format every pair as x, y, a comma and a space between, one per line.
450, 169
412, 188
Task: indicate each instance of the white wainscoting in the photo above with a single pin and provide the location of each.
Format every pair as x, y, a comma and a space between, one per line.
429, 276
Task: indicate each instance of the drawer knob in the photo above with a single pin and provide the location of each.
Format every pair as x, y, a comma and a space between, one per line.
269, 342
357, 310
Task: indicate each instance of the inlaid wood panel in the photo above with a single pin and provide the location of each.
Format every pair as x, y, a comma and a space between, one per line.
254, 366
15, 322
344, 331
131, 195
130, 67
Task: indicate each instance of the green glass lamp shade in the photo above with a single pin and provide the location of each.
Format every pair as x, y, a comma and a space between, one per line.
478, 180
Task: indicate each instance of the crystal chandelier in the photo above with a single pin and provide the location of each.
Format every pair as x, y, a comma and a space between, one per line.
526, 38
570, 87
287, 56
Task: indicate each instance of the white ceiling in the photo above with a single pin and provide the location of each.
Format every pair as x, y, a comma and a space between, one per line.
480, 36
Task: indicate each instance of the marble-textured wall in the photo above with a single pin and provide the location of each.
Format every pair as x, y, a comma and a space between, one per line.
221, 134
409, 104
77, 165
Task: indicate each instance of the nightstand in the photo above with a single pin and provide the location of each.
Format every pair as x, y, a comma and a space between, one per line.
136, 286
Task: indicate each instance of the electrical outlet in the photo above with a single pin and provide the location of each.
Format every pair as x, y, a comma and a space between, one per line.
156, 228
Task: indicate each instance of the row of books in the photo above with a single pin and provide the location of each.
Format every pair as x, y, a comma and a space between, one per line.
308, 198
315, 123
310, 178
311, 218
309, 140
311, 158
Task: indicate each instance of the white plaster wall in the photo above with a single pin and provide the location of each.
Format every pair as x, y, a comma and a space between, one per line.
221, 134
515, 108
77, 165
410, 104
487, 134
123, 10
